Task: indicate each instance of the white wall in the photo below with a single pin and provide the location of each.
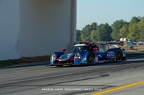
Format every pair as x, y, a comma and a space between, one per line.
34, 27
44, 26
9, 29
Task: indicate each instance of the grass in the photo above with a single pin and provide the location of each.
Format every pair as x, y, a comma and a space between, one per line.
7, 63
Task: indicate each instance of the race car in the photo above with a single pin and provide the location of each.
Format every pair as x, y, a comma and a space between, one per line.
85, 53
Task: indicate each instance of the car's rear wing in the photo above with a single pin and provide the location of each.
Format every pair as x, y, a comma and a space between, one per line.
104, 43
111, 43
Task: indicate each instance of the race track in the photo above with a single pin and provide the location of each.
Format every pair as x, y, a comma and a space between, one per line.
119, 78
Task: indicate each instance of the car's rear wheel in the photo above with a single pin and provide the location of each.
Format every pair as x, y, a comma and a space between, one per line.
90, 59
118, 55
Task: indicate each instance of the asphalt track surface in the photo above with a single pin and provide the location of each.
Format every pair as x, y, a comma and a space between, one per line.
119, 78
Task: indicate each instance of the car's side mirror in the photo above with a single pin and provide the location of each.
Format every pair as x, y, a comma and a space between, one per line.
63, 49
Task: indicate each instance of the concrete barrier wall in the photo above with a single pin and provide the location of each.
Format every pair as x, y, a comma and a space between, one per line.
9, 29
34, 27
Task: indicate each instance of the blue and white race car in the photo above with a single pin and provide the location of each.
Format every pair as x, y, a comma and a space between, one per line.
86, 53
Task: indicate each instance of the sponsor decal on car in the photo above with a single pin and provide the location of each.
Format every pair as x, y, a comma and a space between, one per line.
110, 54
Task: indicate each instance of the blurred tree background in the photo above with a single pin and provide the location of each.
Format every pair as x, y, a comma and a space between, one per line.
133, 30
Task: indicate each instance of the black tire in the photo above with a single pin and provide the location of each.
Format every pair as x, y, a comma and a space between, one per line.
119, 55
90, 59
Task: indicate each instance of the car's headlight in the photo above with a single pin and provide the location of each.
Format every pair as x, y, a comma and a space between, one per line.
77, 56
53, 57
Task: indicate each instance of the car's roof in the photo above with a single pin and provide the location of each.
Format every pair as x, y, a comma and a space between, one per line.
80, 45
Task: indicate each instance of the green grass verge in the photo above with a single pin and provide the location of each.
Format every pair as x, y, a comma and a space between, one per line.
7, 63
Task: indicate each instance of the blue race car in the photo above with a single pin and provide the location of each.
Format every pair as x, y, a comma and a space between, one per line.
86, 53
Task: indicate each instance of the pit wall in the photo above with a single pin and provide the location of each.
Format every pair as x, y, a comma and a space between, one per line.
36, 27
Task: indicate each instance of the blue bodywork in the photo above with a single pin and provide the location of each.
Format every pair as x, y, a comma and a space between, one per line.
80, 57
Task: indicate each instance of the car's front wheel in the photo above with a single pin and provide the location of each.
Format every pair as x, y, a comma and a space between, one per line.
90, 59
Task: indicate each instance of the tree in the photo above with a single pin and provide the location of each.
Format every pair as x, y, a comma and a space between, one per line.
134, 32
134, 20
141, 29
78, 35
116, 26
124, 31
93, 36
86, 31
104, 32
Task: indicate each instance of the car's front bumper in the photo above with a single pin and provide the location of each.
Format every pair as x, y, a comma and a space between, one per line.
61, 63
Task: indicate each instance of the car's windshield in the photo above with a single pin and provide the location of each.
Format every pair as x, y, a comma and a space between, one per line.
79, 48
